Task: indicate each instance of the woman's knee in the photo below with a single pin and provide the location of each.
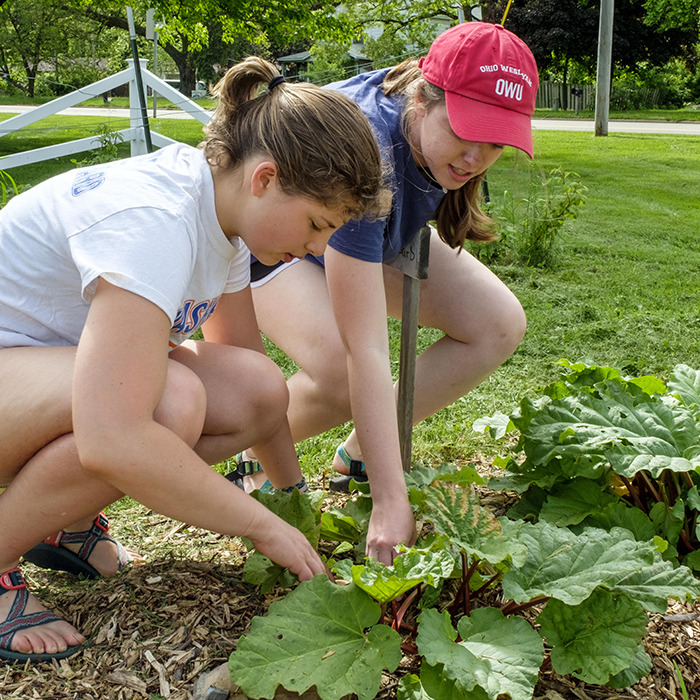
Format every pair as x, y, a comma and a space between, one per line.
511, 325
267, 389
493, 332
331, 383
182, 408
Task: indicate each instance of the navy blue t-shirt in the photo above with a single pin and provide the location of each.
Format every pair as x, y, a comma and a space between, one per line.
414, 198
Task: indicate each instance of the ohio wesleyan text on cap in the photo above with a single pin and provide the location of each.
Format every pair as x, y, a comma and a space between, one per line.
490, 79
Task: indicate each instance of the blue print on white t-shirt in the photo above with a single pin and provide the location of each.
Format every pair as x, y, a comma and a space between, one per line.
86, 181
192, 315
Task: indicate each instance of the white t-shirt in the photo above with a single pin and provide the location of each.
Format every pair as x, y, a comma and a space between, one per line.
146, 224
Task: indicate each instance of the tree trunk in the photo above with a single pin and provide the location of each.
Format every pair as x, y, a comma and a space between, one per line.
183, 61
31, 78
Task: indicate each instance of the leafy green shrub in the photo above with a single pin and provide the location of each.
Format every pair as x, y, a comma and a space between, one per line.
529, 227
588, 589
109, 148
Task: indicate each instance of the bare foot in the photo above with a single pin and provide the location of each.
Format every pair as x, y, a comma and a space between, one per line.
49, 638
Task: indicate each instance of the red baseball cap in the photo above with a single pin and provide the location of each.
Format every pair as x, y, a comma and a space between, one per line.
490, 80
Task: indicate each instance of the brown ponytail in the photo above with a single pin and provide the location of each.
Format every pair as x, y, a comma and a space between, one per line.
459, 217
320, 140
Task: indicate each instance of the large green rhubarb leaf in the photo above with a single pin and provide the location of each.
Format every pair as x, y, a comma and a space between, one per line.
641, 666
302, 510
621, 515
339, 527
496, 654
439, 685
420, 477
685, 383
258, 570
573, 501
569, 567
384, 583
652, 585
594, 640
457, 515
410, 688
320, 635
620, 424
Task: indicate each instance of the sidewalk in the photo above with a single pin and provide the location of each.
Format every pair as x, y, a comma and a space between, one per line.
614, 126
107, 112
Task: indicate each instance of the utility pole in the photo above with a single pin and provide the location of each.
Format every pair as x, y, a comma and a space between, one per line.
151, 33
602, 90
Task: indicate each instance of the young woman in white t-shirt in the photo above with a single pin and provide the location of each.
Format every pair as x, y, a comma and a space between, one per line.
104, 274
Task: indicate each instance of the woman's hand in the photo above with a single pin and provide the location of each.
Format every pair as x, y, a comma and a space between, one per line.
390, 524
285, 545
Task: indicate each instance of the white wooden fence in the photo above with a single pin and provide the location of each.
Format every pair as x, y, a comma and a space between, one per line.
552, 96
134, 134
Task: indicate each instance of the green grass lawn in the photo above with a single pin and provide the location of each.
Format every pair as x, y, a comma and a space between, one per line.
624, 290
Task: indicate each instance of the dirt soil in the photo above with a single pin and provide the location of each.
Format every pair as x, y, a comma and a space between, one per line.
154, 629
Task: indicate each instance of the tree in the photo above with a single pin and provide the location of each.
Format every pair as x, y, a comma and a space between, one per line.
673, 14
566, 31
404, 25
30, 31
558, 32
187, 28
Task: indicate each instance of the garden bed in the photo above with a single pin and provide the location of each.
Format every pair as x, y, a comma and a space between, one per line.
155, 629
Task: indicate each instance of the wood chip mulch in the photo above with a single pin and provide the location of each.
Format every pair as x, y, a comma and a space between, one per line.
154, 629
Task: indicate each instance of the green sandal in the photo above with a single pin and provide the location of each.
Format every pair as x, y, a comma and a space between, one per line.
357, 469
245, 467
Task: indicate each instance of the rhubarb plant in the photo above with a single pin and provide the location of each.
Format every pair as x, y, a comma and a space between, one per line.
454, 601
598, 449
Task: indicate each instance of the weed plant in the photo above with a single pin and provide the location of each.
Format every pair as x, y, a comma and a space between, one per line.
8, 188
529, 227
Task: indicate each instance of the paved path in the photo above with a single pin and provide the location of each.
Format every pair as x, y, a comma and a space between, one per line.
619, 125
99, 111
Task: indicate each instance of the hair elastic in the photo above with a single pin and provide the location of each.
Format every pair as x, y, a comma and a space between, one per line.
275, 82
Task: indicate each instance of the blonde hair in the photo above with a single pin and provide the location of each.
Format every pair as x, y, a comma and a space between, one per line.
459, 217
320, 140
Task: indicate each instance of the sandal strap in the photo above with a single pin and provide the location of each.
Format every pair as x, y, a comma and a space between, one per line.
356, 466
16, 622
244, 467
14, 581
89, 539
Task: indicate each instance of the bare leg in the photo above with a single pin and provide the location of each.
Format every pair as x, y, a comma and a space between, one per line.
304, 327
41, 466
247, 400
482, 320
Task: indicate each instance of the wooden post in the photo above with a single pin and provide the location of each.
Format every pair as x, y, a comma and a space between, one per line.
413, 262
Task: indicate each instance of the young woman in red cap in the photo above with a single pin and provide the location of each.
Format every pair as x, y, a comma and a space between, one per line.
441, 123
